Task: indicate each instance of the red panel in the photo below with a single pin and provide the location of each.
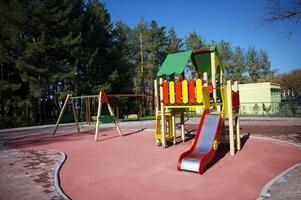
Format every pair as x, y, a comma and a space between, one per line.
165, 92
178, 92
104, 98
235, 101
191, 91
210, 86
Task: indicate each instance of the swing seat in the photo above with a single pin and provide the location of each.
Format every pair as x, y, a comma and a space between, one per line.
107, 119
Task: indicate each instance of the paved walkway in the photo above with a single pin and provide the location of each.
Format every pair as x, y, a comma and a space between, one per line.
287, 187
28, 174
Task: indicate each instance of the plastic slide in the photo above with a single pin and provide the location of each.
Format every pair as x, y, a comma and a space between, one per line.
205, 144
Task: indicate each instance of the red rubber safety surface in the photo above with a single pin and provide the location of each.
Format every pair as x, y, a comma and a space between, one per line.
133, 167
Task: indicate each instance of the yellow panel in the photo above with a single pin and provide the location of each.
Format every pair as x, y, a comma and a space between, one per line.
199, 93
168, 134
225, 101
185, 91
171, 92
206, 98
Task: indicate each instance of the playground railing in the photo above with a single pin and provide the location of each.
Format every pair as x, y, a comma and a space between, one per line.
271, 109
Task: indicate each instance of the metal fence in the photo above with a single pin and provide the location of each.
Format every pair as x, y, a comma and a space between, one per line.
273, 109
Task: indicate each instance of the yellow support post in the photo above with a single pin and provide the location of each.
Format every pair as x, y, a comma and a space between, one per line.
173, 124
182, 126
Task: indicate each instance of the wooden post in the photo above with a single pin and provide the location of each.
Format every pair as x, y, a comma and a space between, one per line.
173, 124
237, 122
140, 110
98, 116
213, 72
156, 95
230, 117
163, 127
88, 110
61, 114
116, 121
182, 126
117, 112
205, 78
75, 116
89, 115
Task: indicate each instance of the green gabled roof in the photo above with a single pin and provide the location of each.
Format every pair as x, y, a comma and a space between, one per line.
202, 62
174, 63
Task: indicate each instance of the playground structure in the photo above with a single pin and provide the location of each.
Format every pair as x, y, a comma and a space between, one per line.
89, 100
216, 100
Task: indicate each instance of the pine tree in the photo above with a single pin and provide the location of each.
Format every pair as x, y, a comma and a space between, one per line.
138, 45
156, 52
12, 97
194, 41
51, 50
265, 65
237, 68
95, 61
252, 64
124, 70
225, 54
174, 43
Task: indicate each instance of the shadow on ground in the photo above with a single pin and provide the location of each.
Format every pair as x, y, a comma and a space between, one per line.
43, 139
224, 149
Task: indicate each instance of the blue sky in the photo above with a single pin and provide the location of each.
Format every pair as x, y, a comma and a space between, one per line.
236, 21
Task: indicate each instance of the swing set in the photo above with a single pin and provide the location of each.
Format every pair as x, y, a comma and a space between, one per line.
88, 104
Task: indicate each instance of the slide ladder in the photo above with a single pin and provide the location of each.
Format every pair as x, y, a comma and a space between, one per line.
204, 146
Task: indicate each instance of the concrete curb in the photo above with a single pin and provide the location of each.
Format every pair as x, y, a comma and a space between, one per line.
266, 188
276, 140
56, 176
